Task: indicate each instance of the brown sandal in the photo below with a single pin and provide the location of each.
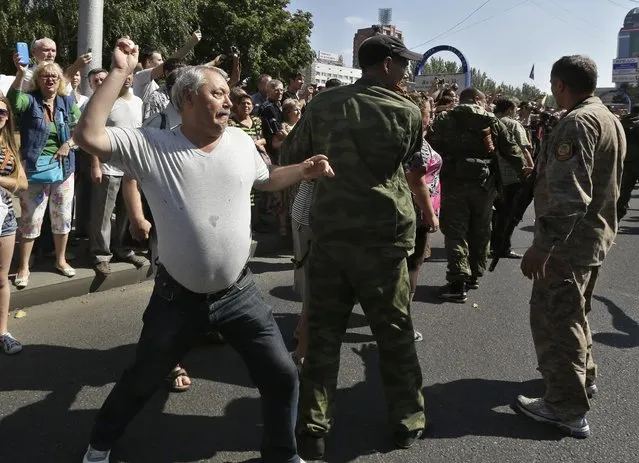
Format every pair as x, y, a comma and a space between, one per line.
175, 374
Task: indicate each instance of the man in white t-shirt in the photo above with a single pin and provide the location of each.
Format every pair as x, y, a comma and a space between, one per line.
106, 196
197, 179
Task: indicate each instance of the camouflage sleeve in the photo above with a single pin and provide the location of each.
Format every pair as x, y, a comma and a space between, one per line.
521, 137
414, 152
508, 148
568, 169
297, 145
436, 132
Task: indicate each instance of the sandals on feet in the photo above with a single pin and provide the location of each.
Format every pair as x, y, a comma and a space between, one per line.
22, 282
171, 380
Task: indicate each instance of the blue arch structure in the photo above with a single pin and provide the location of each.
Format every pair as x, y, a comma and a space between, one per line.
439, 48
619, 92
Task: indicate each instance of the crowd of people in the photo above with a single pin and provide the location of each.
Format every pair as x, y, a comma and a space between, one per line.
360, 175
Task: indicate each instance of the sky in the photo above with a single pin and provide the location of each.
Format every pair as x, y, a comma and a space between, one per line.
503, 38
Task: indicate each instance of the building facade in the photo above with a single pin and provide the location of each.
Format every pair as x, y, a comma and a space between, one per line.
628, 42
330, 66
318, 73
363, 34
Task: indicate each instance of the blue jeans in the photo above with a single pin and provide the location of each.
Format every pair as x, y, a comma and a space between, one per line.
173, 320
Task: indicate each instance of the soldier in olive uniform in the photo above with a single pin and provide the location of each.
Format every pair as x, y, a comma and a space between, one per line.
578, 175
468, 138
630, 124
363, 225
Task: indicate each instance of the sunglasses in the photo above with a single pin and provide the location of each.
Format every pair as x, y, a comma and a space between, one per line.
49, 77
4, 113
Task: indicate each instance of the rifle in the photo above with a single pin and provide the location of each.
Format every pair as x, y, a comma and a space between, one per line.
523, 200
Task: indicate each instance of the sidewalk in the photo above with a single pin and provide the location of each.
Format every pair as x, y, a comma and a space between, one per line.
47, 285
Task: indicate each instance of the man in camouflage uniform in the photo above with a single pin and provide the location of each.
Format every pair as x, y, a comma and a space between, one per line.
578, 175
363, 225
511, 184
468, 138
630, 125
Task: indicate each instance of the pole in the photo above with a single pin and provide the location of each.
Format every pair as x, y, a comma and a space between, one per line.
90, 14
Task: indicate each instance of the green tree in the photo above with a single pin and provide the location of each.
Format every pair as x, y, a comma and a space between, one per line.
270, 38
26, 21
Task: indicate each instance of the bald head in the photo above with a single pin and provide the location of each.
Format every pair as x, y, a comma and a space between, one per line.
44, 50
472, 96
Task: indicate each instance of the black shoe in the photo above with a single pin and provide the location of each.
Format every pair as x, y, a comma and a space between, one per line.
406, 439
310, 447
454, 292
591, 390
472, 283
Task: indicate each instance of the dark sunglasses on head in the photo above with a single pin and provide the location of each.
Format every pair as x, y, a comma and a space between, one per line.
4, 112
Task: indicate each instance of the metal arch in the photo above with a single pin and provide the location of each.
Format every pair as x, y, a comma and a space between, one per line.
439, 48
619, 92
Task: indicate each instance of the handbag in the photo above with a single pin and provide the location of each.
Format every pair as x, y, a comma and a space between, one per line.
48, 170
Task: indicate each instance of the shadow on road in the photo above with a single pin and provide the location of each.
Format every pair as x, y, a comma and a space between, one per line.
629, 328
466, 407
265, 267
428, 293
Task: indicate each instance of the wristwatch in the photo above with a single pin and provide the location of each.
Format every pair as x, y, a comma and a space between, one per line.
71, 144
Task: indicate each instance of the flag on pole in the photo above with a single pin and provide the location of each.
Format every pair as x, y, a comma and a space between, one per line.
532, 73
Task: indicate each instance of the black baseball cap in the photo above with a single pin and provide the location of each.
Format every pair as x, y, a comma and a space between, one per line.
375, 49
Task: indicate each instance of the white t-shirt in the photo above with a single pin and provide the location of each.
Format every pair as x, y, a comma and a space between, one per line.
125, 113
200, 201
173, 118
82, 102
5, 83
143, 84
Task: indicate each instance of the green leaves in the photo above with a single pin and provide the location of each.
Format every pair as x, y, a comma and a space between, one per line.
272, 40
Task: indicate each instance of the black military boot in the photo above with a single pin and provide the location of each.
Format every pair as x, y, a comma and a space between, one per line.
310, 447
455, 291
472, 283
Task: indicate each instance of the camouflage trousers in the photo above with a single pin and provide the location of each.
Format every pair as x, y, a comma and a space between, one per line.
465, 221
378, 279
559, 306
628, 182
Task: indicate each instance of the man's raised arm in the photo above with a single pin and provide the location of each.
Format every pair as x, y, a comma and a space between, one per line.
158, 71
90, 133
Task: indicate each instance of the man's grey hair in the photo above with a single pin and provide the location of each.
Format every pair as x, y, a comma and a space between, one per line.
40, 42
274, 83
190, 80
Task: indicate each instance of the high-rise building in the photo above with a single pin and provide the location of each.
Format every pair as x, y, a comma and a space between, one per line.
628, 43
363, 34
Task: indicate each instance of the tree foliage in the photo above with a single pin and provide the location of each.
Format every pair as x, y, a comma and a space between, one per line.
482, 81
271, 38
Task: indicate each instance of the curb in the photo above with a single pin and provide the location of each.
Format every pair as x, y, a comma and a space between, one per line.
47, 286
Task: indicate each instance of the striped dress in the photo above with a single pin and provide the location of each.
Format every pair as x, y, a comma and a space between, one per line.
255, 132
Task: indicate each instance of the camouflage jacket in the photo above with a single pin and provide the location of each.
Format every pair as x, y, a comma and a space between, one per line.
578, 178
459, 136
368, 132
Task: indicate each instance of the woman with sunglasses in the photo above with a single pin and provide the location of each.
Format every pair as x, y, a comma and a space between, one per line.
12, 178
47, 113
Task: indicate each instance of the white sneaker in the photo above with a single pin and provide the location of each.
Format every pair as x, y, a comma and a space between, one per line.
96, 456
10, 344
537, 410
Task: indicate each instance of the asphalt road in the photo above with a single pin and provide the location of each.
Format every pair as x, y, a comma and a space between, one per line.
475, 360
